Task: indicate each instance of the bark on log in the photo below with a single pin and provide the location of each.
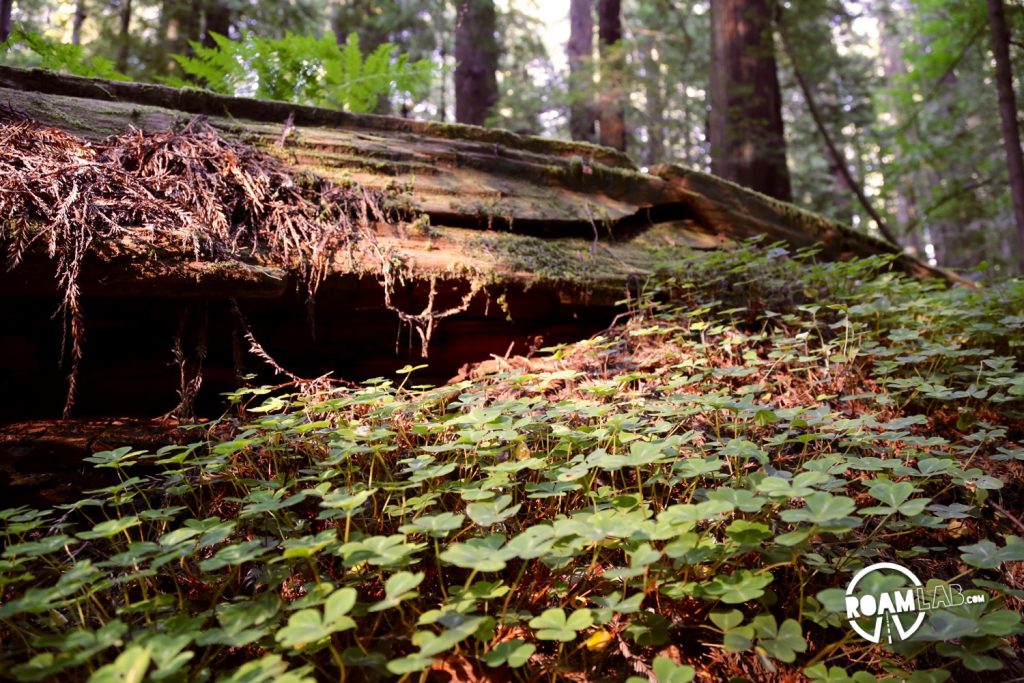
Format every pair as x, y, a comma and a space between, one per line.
505, 207
529, 242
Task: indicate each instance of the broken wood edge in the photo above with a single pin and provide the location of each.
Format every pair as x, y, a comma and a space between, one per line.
722, 205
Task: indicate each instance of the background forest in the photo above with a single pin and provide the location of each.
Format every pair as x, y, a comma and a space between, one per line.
889, 108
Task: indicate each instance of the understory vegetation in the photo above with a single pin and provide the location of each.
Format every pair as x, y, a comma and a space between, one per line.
691, 490
305, 70
294, 68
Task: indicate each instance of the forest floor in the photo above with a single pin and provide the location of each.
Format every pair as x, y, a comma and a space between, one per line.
683, 497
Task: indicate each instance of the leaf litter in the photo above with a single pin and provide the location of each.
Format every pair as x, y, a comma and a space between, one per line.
218, 199
690, 490
687, 492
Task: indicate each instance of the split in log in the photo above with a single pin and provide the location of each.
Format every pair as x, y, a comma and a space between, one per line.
523, 241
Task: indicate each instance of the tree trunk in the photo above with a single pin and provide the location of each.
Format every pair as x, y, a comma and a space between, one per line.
611, 99
77, 21
580, 53
216, 19
124, 36
533, 244
655, 105
894, 68
442, 107
745, 122
476, 56
5, 18
1008, 113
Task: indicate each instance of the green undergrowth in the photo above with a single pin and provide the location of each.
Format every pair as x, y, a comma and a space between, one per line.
686, 494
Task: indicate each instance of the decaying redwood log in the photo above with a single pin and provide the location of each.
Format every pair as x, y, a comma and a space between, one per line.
524, 241
41, 461
466, 179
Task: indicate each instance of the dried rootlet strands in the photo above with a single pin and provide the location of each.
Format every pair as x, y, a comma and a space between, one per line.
219, 198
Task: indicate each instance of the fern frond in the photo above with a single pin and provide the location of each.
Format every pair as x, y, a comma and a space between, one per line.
306, 70
54, 56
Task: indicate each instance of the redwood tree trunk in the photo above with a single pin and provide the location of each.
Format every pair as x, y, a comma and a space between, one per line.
611, 99
655, 105
1008, 113
216, 19
77, 21
125, 36
580, 53
894, 67
476, 56
5, 18
745, 122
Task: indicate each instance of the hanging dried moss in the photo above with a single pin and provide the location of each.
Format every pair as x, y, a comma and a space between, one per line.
191, 187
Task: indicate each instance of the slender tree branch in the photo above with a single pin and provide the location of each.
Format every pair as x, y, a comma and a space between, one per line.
855, 185
1010, 516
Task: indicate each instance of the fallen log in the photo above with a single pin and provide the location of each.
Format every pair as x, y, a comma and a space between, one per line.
465, 179
43, 463
506, 241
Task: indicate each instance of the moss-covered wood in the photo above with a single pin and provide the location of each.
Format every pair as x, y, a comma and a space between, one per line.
494, 206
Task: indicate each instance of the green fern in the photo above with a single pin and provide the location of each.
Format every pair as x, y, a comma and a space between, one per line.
221, 68
296, 68
32, 49
305, 70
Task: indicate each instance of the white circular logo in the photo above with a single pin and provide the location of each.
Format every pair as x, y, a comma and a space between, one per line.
894, 605
892, 609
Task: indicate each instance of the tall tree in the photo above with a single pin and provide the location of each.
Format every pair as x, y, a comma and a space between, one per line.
1008, 114
745, 121
654, 101
6, 7
216, 19
476, 56
5, 18
611, 101
124, 36
76, 22
894, 67
580, 52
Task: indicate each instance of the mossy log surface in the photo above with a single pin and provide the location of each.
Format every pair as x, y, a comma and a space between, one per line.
502, 207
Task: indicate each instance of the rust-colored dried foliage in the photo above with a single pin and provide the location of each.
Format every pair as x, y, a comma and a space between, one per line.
192, 187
